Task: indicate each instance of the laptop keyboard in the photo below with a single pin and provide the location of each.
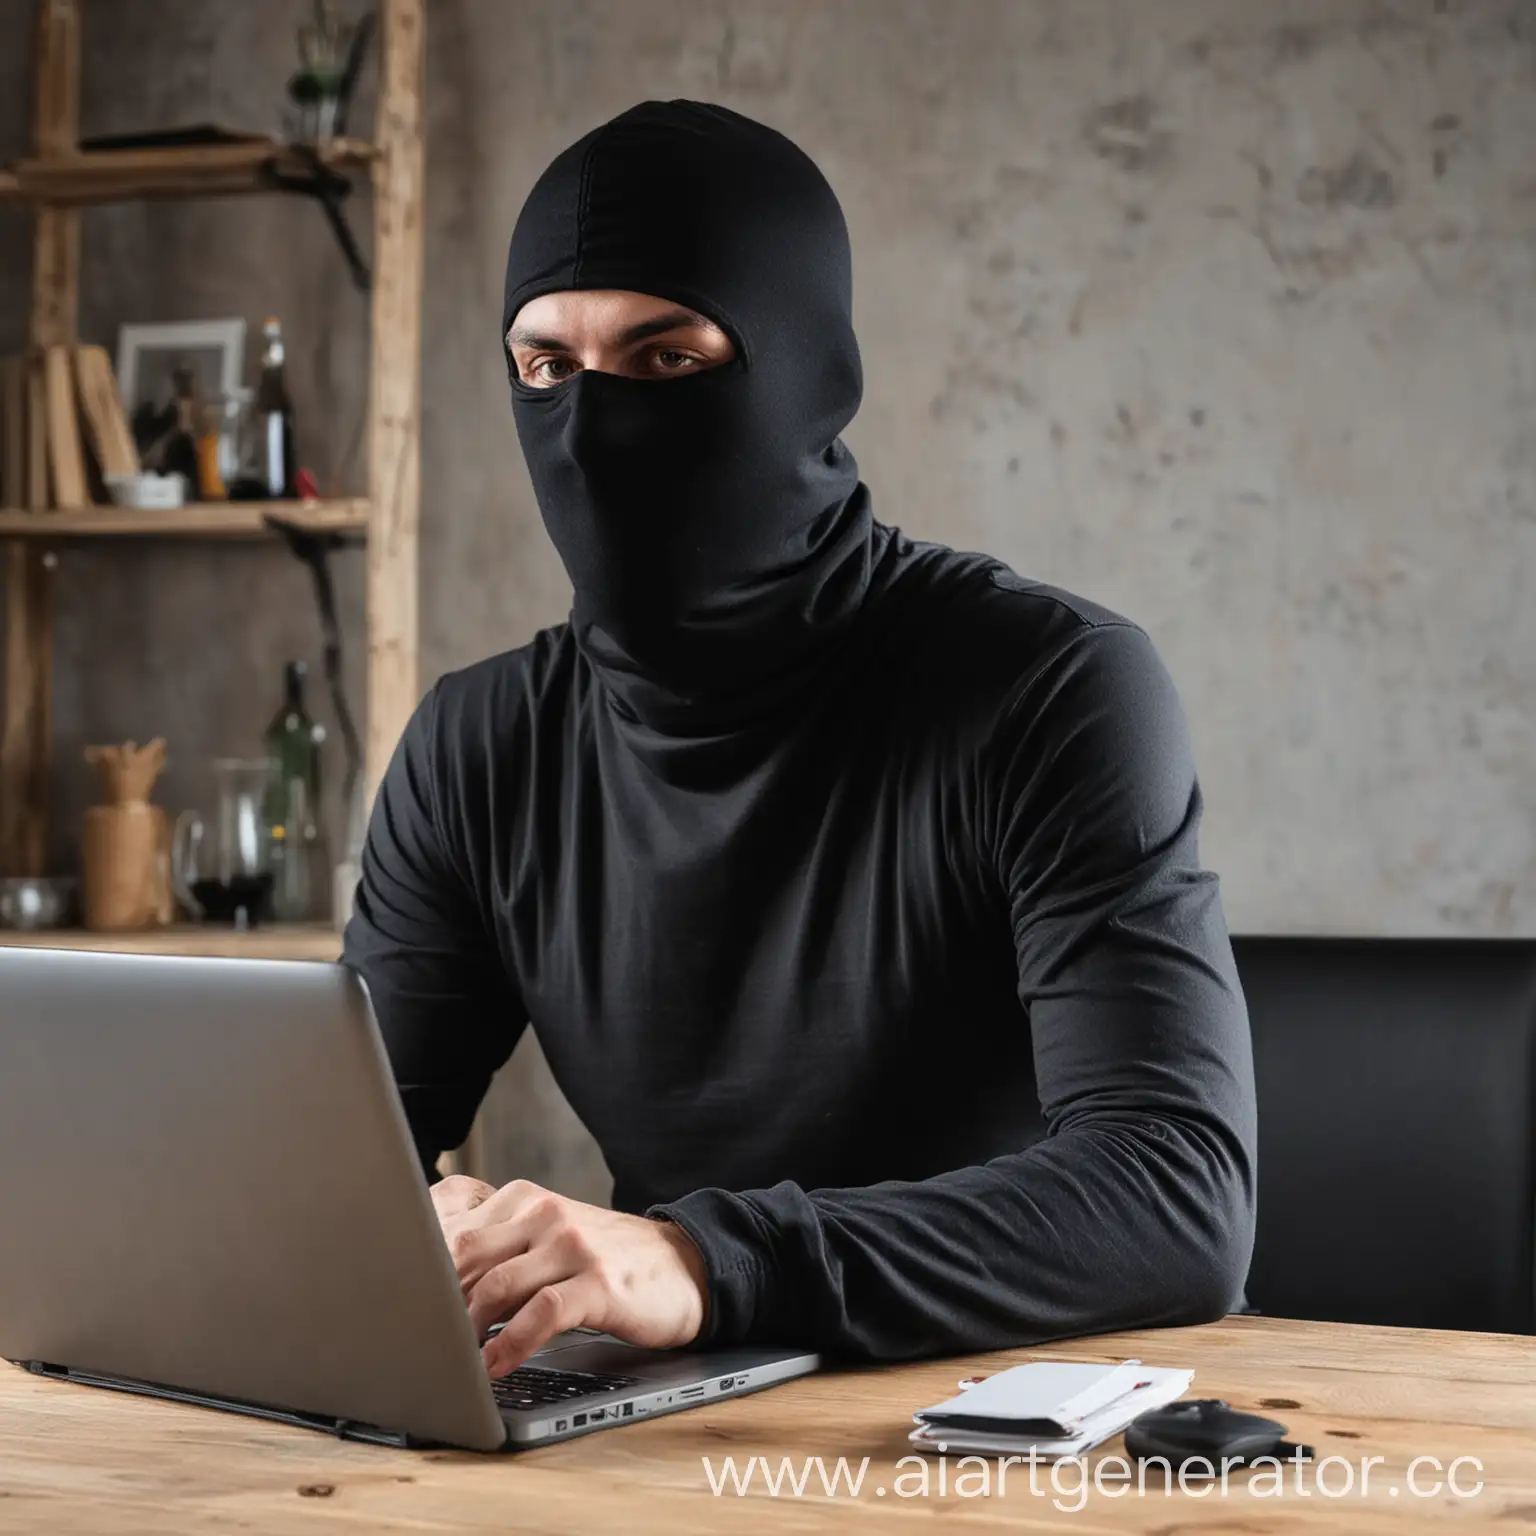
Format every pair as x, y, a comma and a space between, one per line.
529, 1386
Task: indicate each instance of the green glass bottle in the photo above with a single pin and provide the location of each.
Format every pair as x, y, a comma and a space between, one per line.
293, 742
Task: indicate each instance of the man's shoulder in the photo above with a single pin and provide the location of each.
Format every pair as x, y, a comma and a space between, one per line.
495, 693
509, 682
1037, 606
1037, 675
975, 617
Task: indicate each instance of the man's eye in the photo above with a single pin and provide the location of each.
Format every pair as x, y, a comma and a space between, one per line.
671, 360
553, 370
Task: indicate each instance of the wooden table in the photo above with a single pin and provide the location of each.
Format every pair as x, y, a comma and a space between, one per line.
77, 1459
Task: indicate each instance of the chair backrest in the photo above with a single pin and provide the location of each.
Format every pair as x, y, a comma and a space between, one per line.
1397, 1129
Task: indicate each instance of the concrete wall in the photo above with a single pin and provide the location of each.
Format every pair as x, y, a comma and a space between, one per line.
1220, 311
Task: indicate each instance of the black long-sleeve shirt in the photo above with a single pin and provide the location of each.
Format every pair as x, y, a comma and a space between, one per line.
915, 1010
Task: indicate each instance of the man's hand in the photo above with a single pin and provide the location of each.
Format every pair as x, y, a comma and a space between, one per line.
542, 1263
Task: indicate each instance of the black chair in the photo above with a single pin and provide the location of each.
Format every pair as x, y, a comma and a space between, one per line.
1397, 1130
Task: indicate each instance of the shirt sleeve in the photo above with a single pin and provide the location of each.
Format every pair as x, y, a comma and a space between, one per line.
447, 1009
1136, 1207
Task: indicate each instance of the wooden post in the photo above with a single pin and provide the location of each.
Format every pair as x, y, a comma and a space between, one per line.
24, 736
394, 413
394, 408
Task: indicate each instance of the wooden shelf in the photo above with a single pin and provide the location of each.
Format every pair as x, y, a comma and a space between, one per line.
55, 180
193, 170
197, 520
273, 941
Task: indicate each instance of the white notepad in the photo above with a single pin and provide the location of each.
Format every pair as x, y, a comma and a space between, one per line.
1054, 1407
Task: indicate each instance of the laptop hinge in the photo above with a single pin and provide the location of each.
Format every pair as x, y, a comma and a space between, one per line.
343, 1429
350, 1429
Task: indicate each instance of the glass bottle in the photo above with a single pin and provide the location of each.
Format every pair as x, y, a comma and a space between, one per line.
210, 479
274, 412
293, 742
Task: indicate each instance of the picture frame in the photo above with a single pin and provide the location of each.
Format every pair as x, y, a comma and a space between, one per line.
146, 355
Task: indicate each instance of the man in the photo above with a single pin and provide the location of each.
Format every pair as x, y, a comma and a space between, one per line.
849, 883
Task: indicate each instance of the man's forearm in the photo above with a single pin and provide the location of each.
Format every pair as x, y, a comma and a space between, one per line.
1119, 1222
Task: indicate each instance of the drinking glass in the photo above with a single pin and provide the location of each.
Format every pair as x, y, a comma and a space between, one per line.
231, 881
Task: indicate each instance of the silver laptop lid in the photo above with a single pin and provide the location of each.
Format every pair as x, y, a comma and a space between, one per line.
207, 1183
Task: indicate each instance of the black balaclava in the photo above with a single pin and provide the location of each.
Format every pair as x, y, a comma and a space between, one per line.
713, 526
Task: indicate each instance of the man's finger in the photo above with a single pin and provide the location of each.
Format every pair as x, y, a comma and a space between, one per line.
521, 1200
507, 1287
457, 1193
510, 1222
476, 1249
566, 1304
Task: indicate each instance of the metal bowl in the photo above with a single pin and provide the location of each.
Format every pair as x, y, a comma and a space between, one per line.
32, 902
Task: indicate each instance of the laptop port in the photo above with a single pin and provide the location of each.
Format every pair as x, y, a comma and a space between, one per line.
578, 1421
561, 1424
629, 1409
727, 1382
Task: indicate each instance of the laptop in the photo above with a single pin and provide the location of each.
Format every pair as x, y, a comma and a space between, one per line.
208, 1193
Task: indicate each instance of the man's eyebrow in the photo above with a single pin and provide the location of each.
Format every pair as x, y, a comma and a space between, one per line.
520, 338
671, 320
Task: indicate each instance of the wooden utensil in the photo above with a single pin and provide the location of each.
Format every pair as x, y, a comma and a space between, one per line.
125, 874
